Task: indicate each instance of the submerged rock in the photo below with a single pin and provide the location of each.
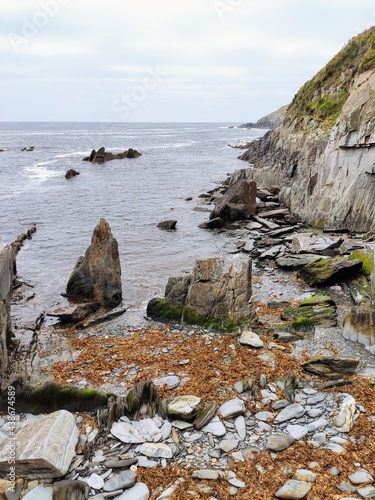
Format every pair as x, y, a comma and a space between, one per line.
167, 225
97, 276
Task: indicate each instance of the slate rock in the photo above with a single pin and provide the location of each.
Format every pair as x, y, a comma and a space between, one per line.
208, 474
126, 479
156, 450
215, 427
361, 476
292, 411
185, 407
279, 442
326, 271
127, 433
232, 408
330, 365
297, 431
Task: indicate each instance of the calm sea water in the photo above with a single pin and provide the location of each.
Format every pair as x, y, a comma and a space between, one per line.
178, 161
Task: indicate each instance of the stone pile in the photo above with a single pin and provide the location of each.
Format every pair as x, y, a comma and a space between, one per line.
102, 155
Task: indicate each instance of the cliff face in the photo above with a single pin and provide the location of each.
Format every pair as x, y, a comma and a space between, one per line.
6, 267
322, 158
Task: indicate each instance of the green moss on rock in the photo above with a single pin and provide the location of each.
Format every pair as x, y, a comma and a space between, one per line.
365, 258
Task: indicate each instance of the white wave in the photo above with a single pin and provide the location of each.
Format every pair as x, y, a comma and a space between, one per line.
40, 172
76, 153
48, 162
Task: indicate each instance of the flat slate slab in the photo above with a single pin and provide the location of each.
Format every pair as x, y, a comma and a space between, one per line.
44, 448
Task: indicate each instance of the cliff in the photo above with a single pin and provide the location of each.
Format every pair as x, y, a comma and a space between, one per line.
6, 284
322, 157
271, 121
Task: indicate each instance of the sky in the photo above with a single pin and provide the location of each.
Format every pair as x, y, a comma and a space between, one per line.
167, 60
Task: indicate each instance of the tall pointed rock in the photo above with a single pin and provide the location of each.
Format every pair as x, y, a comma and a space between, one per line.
97, 276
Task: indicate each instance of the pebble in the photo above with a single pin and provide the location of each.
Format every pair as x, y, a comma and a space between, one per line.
279, 442
156, 450
228, 445
367, 492
291, 411
297, 431
96, 482
305, 475
206, 474
146, 463
139, 491
127, 433
361, 476
215, 427
39, 493
240, 425
126, 479
232, 408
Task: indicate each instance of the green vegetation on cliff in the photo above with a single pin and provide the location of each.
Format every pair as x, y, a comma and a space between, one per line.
319, 102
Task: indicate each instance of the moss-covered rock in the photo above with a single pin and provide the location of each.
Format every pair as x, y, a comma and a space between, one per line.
365, 258
326, 271
360, 290
320, 309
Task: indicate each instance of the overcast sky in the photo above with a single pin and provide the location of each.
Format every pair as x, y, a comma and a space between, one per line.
165, 60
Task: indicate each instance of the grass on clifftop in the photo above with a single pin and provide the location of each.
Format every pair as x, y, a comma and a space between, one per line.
319, 102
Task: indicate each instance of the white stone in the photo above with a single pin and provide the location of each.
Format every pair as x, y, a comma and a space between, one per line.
240, 425
317, 424
367, 492
171, 381
156, 450
125, 479
263, 415
215, 427
182, 425
232, 408
251, 339
95, 481
45, 448
305, 475
127, 433
167, 494
344, 421
149, 430
166, 430
297, 431
336, 448
39, 493
184, 407
146, 463
139, 491
291, 411
361, 476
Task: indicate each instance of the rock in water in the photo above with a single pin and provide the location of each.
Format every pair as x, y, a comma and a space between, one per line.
238, 203
97, 276
71, 173
167, 225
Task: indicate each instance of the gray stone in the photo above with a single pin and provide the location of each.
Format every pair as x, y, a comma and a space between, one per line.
215, 427
297, 431
39, 493
205, 415
279, 442
139, 491
305, 475
240, 425
232, 408
96, 482
336, 448
292, 411
146, 463
264, 416
320, 423
149, 430
296, 261
361, 476
325, 271
367, 492
251, 339
171, 381
156, 450
331, 365
45, 448
126, 479
239, 202
166, 430
313, 244
294, 490
228, 445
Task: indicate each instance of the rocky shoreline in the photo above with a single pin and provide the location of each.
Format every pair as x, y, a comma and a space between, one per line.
274, 429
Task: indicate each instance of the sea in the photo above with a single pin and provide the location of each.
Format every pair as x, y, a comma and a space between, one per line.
179, 162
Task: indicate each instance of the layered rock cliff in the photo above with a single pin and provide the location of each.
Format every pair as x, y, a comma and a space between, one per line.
322, 157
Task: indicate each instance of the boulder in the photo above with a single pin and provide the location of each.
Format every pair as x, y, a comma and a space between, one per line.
102, 155
185, 407
330, 365
44, 448
213, 223
326, 271
216, 294
238, 202
71, 173
97, 276
167, 225
296, 261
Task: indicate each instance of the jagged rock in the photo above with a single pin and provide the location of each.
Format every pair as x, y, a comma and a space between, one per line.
294, 490
344, 420
359, 325
330, 365
71, 173
102, 155
45, 448
312, 244
139, 491
239, 202
325, 271
217, 293
185, 407
167, 225
74, 490
74, 314
97, 276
